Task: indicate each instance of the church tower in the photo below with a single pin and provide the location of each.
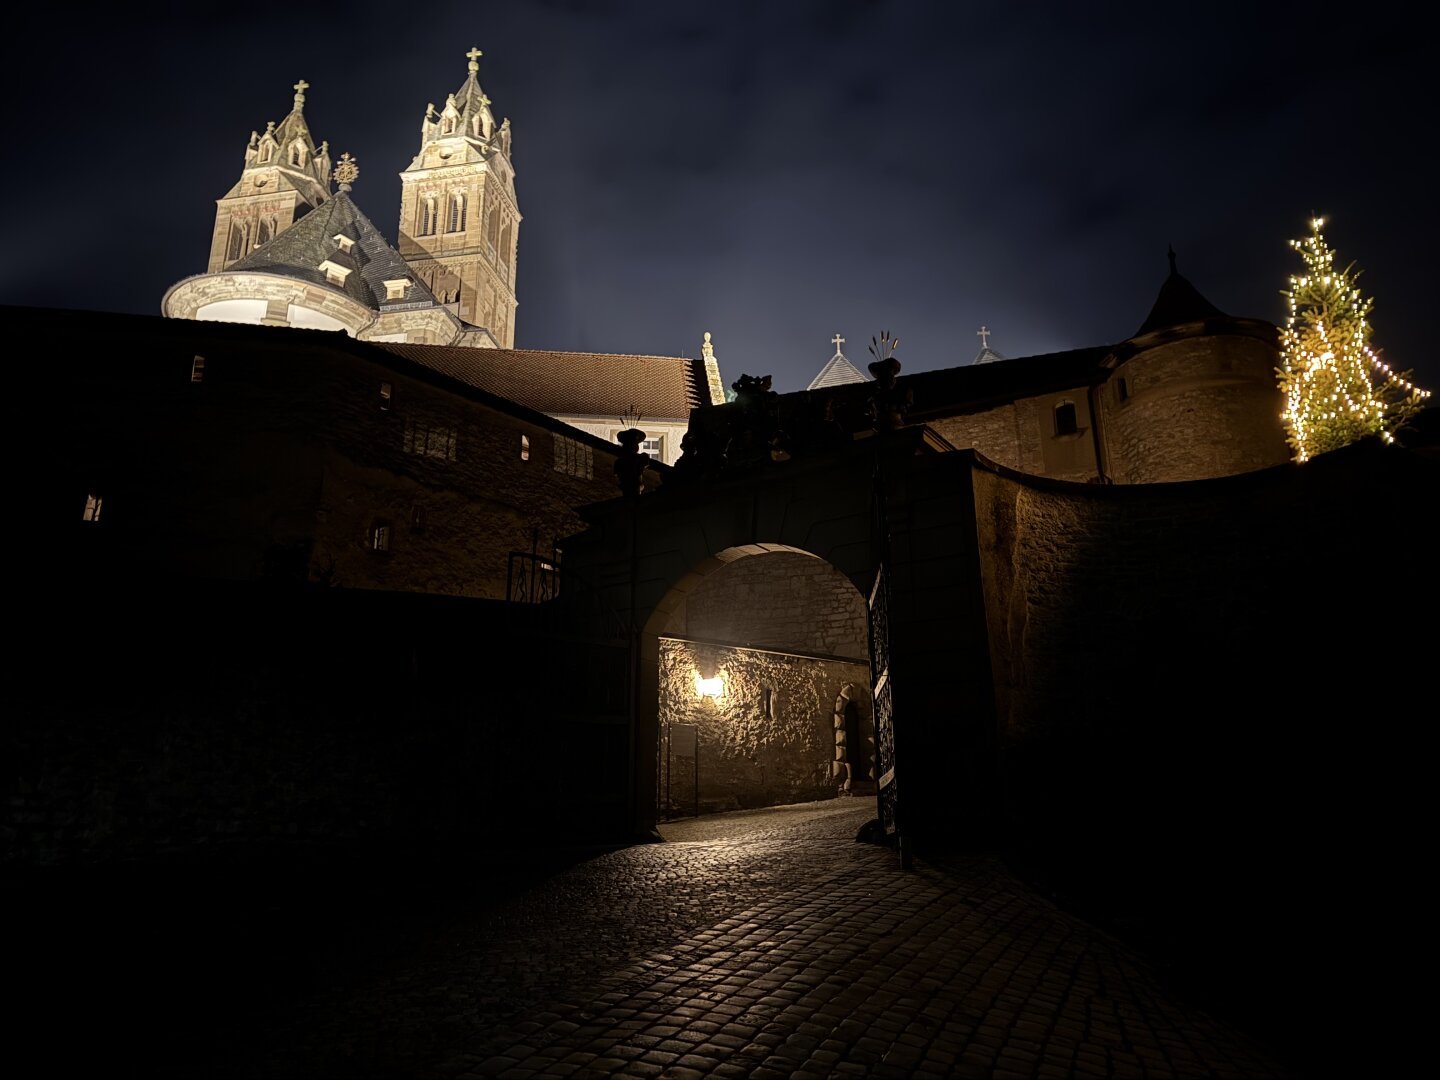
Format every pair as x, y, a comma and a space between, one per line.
459, 221
285, 177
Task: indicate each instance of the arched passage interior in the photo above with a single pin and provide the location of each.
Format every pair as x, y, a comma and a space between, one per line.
762, 683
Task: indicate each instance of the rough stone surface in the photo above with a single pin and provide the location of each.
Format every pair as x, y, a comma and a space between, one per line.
783, 600
1195, 408
749, 756
1021, 435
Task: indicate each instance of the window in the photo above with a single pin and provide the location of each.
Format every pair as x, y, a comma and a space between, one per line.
344, 241
380, 536
447, 126
492, 228
237, 242
427, 217
263, 236
93, 503
574, 458
524, 447
1065, 421
1122, 389
265, 149
767, 702
297, 154
385, 390
395, 290
429, 440
654, 447
457, 213
505, 235
197, 369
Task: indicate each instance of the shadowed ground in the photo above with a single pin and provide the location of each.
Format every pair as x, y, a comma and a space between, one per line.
761, 943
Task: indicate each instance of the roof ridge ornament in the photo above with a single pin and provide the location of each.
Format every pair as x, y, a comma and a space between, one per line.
346, 172
837, 341
300, 88
984, 335
474, 55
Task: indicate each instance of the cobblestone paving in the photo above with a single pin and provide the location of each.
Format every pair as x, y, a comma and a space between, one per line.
765, 944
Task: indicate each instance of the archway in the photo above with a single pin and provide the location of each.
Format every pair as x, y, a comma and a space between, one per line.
762, 688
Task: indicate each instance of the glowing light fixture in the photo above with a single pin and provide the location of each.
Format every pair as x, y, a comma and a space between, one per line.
711, 688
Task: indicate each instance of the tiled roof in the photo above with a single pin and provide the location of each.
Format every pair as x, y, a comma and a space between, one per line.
570, 383
837, 372
299, 250
986, 355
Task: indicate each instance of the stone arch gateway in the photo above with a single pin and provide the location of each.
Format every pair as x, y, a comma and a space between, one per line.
894, 501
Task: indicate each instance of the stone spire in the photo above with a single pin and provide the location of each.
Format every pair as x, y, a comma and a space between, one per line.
714, 386
285, 176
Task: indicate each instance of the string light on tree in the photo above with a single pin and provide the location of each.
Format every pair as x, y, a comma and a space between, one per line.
1336, 387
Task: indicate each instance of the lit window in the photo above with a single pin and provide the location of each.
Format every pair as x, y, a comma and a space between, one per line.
1065, 420
380, 536
524, 447
197, 369
385, 396
92, 508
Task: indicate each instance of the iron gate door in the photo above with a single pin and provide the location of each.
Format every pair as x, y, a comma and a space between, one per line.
879, 605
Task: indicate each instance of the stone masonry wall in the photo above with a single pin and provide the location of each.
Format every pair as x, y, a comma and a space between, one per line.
785, 600
1021, 435
1195, 408
749, 756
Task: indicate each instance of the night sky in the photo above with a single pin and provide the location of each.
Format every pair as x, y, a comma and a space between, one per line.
770, 171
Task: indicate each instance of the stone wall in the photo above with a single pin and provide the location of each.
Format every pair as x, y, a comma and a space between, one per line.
1193, 408
1210, 686
769, 738
785, 600
1021, 435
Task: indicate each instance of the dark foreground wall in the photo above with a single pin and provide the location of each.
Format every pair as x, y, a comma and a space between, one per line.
1211, 698
163, 719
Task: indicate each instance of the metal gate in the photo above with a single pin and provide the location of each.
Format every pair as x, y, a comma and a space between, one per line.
886, 796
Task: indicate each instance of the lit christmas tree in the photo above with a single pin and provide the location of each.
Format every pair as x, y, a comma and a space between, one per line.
1337, 389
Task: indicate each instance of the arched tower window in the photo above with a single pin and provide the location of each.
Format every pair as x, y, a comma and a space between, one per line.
457, 213
267, 230
1066, 422
236, 247
427, 217
505, 241
265, 149
297, 154
447, 125
492, 232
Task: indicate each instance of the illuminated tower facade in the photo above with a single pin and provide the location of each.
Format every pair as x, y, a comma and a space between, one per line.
459, 221
285, 177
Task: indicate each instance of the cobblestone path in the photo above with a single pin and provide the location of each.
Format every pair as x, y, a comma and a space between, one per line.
765, 944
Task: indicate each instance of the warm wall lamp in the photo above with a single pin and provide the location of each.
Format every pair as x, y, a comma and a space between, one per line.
711, 688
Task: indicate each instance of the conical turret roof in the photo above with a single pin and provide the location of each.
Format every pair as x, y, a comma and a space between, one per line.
1179, 302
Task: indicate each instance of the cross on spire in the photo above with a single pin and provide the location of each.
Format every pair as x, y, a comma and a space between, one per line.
300, 88
984, 335
837, 341
474, 54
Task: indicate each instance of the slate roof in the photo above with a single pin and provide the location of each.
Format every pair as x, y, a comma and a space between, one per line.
837, 372
1179, 302
986, 355
299, 250
570, 383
